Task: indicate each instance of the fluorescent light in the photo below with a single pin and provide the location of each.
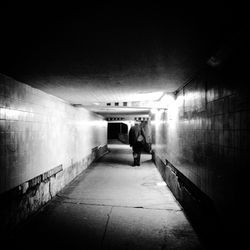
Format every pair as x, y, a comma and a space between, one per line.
154, 111
167, 99
162, 183
150, 96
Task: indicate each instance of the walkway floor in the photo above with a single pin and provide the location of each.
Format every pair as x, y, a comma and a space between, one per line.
112, 205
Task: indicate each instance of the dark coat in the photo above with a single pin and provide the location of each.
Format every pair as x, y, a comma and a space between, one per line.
134, 132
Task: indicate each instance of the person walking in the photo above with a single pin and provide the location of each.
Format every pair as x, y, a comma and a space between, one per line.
136, 140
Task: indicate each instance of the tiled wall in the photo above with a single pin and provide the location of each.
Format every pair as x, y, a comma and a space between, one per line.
39, 132
205, 135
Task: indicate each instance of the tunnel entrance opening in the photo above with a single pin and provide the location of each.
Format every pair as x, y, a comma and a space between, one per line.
118, 131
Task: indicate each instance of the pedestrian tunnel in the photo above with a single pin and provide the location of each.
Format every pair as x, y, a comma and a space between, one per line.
47, 144
73, 81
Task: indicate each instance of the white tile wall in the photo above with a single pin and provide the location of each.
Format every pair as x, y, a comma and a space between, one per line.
39, 132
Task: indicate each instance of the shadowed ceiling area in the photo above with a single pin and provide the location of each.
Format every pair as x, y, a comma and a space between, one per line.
101, 54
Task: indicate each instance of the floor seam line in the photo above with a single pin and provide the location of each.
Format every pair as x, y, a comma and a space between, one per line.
113, 206
106, 226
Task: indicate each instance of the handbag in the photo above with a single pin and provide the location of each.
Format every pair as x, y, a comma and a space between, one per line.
140, 138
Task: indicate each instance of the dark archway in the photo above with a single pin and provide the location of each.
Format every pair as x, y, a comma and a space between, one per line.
115, 129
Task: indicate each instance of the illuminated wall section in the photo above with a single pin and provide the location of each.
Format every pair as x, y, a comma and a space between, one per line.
40, 132
44, 144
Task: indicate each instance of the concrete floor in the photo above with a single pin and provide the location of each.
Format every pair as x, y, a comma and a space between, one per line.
112, 205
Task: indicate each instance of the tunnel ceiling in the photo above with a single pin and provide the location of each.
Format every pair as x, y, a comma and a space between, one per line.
110, 54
